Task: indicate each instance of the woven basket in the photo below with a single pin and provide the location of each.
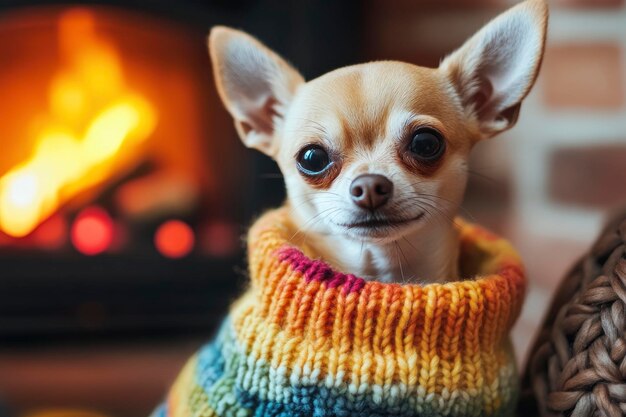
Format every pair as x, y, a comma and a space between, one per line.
577, 366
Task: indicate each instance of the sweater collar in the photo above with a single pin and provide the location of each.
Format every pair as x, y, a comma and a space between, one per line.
303, 293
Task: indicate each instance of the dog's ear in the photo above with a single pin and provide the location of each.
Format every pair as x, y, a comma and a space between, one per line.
496, 68
255, 84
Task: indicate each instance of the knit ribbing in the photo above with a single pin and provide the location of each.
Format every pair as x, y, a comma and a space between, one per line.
307, 340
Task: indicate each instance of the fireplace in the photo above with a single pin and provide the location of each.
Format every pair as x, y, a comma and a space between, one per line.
117, 208
124, 191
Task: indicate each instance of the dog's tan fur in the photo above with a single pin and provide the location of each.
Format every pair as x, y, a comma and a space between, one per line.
363, 114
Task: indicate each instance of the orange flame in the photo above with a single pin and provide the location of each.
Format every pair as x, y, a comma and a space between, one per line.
93, 121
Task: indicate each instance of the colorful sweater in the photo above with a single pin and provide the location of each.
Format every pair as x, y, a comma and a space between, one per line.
308, 341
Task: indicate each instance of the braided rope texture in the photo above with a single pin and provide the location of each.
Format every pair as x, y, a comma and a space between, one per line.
577, 366
306, 340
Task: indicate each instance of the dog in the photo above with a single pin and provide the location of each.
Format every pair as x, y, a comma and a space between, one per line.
374, 158
375, 155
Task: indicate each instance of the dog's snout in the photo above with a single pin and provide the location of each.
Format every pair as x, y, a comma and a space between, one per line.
371, 191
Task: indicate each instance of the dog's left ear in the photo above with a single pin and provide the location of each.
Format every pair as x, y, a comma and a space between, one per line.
496, 68
255, 84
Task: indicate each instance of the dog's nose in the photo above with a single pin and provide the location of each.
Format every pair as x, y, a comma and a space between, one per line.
370, 191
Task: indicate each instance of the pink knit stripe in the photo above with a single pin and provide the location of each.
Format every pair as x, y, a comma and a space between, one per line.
316, 270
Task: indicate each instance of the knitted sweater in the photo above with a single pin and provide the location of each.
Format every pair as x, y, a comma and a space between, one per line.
306, 340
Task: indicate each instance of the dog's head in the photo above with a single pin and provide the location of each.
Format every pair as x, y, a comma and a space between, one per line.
373, 151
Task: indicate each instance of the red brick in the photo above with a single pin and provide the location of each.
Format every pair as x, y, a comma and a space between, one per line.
590, 3
592, 177
586, 76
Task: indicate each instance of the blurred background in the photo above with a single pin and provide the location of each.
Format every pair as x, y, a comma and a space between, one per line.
124, 191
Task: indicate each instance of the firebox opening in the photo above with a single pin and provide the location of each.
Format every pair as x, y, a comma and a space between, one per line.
108, 108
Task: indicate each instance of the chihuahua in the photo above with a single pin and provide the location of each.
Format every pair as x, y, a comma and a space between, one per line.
375, 155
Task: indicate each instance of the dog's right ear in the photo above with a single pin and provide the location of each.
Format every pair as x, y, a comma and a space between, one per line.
255, 84
496, 68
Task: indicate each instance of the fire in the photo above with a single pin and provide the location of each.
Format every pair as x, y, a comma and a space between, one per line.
94, 122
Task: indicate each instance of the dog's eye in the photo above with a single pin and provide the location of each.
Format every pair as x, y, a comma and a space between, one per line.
427, 145
313, 160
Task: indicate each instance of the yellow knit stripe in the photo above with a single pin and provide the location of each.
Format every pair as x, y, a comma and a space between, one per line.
351, 363
372, 375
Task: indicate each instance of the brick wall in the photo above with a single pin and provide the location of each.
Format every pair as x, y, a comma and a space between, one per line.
549, 182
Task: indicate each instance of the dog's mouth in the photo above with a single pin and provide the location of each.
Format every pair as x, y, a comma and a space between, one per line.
379, 223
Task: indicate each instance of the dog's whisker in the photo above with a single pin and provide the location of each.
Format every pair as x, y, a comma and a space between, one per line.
436, 199
484, 177
308, 223
328, 213
399, 261
417, 251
